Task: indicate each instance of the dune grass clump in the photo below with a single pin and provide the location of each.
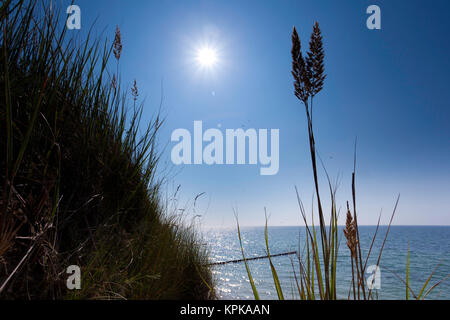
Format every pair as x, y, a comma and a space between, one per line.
78, 179
317, 275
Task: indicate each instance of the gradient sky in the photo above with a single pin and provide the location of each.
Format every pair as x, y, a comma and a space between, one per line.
388, 88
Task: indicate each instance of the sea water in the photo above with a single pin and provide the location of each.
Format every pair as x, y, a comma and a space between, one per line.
429, 251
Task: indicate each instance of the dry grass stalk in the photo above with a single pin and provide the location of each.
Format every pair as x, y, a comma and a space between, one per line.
113, 82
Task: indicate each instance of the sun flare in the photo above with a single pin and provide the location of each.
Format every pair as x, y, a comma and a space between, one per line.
206, 57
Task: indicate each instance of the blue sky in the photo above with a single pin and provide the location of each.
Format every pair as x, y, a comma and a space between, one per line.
388, 88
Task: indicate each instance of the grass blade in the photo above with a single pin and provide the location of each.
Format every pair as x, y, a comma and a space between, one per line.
250, 278
407, 275
272, 267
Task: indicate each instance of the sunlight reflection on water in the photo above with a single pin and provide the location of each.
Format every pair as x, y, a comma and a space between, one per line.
429, 246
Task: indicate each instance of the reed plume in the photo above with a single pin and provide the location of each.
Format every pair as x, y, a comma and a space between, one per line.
315, 61
299, 69
117, 44
309, 75
134, 91
350, 233
117, 51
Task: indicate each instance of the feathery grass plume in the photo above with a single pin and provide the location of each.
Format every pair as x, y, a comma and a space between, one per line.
315, 61
299, 71
134, 91
350, 233
117, 44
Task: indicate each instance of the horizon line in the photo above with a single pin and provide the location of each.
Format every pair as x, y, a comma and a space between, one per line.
340, 225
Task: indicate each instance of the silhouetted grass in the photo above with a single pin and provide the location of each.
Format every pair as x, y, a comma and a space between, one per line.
77, 171
318, 268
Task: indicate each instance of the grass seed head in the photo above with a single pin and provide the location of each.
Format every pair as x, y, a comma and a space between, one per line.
117, 44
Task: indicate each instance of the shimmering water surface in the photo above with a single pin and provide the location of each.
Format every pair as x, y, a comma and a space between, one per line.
429, 250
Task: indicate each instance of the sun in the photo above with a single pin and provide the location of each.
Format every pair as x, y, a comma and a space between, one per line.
206, 57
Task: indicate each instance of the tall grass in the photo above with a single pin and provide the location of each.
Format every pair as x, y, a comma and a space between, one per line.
317, 276
78, 173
